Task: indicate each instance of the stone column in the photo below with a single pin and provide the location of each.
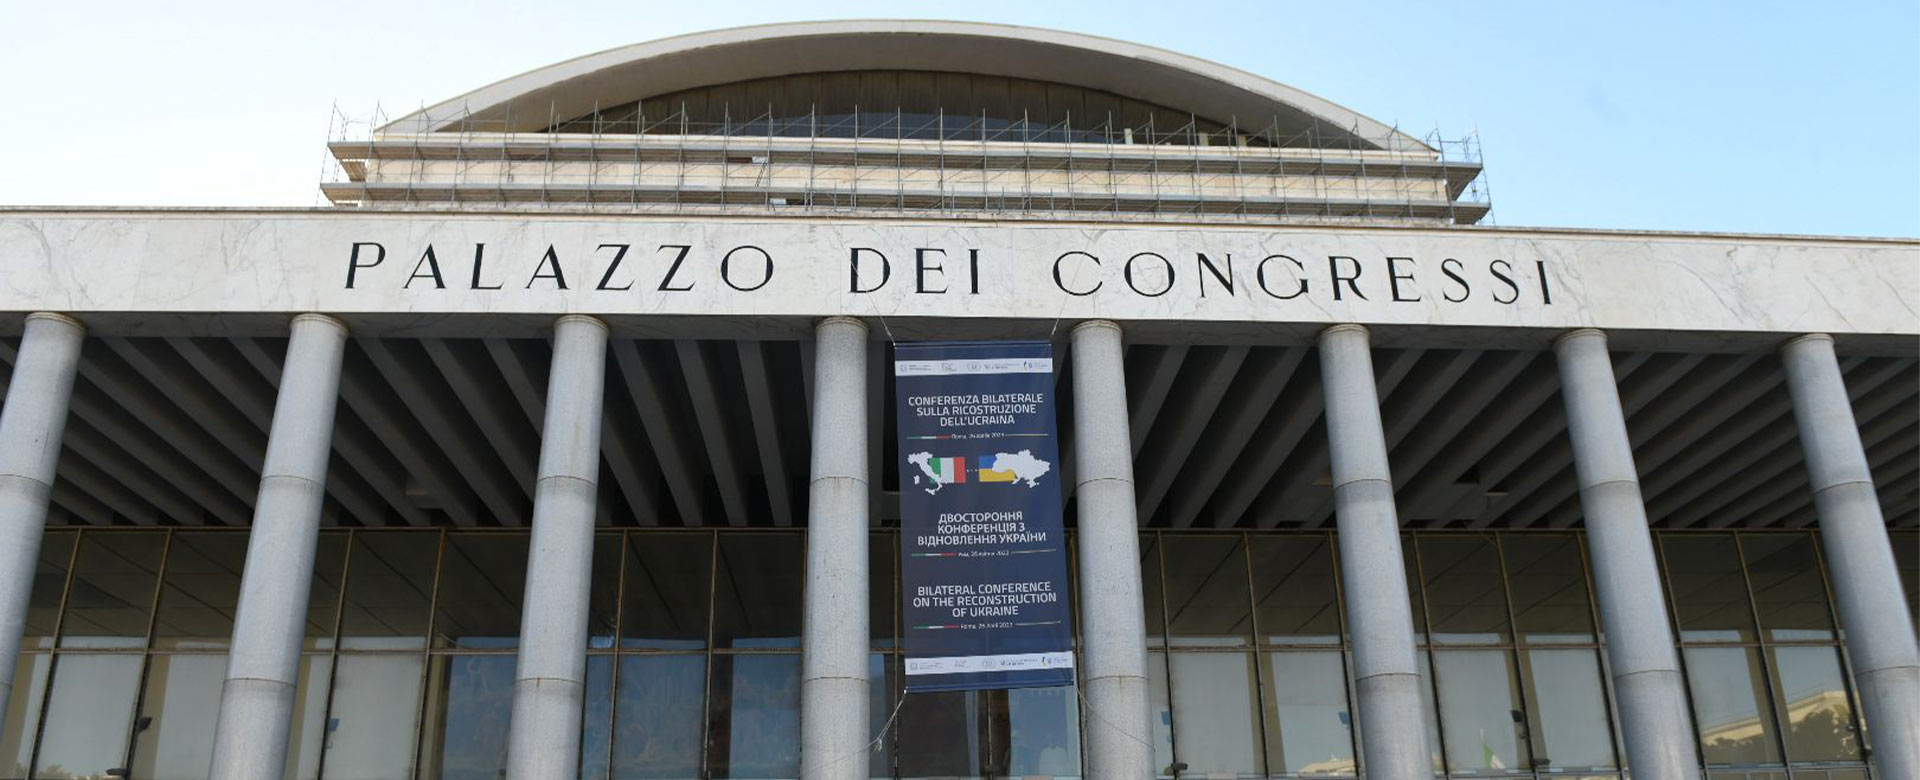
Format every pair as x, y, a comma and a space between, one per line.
833, 676
1650, 692
1866, 582
1373, 572
30, 428
256, 702
1113, 632
543, 740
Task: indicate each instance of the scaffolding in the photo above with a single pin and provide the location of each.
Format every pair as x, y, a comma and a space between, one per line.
655, 159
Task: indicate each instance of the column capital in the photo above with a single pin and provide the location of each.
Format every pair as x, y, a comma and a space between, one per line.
54, 316
842, 320
1580, 333
1789, 344
1345, 327
585, 319
320, 318
1108, 324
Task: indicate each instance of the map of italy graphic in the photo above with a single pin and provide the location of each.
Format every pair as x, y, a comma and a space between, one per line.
1019, 466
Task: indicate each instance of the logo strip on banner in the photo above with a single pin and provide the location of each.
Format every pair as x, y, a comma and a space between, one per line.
983, 546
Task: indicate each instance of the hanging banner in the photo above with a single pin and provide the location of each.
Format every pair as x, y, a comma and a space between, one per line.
983, 553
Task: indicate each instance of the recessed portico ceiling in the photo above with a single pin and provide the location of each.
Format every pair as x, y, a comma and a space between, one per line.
533, 100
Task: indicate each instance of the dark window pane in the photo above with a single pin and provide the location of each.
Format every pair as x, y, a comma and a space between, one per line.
665, 602
1709, 592
882, 587
1568, 708
30, 675
1787, 588
1808, 685
604, 598
1414, 599
1152, 594
49, 583
1465, 598
940, 735
753, 727
389, 591
1547, 581
370, 727
323, 594
883, 691
1730, 705
482, 579
200, 589
1214, 714
1309, 725
1294, 583
469, 700
758, 589
1906, 555
657, 716
181, 702
112, 595
1206, 591
89, 715
1480, 710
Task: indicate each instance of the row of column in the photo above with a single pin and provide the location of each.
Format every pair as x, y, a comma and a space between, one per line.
257, 698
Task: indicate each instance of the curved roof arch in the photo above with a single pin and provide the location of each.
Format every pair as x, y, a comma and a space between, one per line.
577, 86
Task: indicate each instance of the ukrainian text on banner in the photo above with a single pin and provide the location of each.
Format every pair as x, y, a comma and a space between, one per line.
983, 554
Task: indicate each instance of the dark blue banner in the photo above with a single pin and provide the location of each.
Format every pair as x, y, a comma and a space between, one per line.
983, 553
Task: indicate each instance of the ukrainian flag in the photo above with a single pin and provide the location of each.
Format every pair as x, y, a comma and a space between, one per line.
988, 474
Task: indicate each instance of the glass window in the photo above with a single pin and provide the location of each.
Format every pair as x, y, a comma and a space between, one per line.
89, 715
30, 674
603, 597
596, 726
1214, 713
940, 735
49, 584
1433, 711
882, 588
309, 729
1309, 725
664, 605
482, 579
1152, 595
1161, 718
1547, 580
883, 691
1709, 591
656, 718
758, 590
1730, 706
389, 590
1043, 732
200, 590
1787, 589
370, 728
469, 700
753, 728
112, 594
1480, 710
1293, 584
1906, 555
1466, 601
1809, 687
1567, 708
1206, 591
1414, 599
173, 738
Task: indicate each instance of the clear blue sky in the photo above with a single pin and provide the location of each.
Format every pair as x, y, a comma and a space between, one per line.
1712, 116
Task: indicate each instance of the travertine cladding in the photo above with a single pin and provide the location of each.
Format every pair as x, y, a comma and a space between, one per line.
236, 263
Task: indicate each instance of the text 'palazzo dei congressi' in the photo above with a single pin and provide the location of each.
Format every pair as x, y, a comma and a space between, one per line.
562, 444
